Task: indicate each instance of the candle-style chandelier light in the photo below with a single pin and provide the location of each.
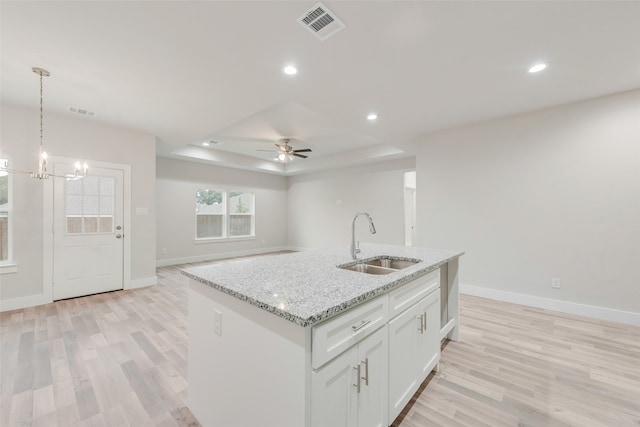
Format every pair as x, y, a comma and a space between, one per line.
80, 170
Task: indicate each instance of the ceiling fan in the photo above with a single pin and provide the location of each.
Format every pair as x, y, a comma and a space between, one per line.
285, 152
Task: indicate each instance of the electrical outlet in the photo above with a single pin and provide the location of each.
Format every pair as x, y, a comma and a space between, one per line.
164, 251
217, 322
555, 283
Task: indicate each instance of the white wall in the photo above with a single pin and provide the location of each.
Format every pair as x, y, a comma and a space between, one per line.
67, 136
554, 193
177, 182
322, 205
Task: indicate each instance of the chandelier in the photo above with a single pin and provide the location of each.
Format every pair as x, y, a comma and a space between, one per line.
80, 170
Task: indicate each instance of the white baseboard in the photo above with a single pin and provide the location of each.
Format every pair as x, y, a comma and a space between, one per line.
24, 302
40, 299
221, 255
602, 313
141, 283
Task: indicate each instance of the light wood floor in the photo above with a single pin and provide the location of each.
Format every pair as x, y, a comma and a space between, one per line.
119, 359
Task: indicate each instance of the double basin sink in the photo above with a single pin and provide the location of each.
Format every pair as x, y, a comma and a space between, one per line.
380, 265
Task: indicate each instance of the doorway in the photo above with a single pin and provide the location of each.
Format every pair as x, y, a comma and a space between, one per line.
88, 232
410, 208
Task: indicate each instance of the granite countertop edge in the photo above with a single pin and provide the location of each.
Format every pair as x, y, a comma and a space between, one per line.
335, 308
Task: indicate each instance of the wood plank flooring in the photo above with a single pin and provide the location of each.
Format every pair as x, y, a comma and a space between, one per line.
120, 359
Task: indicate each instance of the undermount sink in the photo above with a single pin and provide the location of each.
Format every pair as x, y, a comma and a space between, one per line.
396, 264
380, 265
369, 269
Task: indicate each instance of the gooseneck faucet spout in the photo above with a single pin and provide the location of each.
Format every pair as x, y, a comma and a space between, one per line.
355, 250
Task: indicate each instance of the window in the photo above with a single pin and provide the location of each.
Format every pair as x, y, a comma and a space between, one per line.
5, 217
90, 204
240, 214
224, 214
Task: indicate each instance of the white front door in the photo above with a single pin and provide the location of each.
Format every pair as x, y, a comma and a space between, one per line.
87, 232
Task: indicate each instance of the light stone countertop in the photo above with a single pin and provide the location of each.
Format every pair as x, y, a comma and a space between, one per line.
307, 287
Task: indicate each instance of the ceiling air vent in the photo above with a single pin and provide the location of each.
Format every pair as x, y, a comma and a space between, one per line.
82, 111
321, 22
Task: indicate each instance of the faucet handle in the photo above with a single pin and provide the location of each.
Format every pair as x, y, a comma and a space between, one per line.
358, 247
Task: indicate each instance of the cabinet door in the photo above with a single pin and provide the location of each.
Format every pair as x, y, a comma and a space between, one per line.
334, 396
403, 359
429, 335
372, 399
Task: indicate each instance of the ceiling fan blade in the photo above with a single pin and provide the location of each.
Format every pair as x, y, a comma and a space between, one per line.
270, 151
304, 150
300, 155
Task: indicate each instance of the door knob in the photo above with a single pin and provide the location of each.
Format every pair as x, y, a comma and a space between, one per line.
118, 236
118, 227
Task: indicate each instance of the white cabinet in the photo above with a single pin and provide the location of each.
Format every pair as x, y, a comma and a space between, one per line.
429, 338
351, 390
308, 376
332, 337
414, 340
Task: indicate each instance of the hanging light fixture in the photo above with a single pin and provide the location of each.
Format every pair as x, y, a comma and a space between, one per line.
80, 170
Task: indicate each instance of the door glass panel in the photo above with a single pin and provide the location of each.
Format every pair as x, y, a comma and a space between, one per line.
92, 185
74, 186
74, 224
106, 205
74, 205
90, 224
106, 224
89, 205
106, 186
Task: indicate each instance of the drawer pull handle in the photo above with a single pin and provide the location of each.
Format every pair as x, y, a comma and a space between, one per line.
357, 384
362, 324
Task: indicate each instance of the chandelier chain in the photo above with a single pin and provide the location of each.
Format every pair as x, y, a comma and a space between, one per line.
41, 144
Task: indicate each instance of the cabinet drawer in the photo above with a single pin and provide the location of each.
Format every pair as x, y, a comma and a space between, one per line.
337, 334
405, 296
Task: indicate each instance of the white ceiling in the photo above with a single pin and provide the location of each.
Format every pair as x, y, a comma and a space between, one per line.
190, 72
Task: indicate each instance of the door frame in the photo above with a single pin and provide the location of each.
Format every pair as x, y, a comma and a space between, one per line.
47, 224
409, 195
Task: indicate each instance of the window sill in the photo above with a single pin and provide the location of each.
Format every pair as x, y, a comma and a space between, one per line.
8, 268
223, 240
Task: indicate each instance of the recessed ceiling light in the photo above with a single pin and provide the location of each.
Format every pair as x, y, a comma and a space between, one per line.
290, 70
206, 143
372, 116
538, 67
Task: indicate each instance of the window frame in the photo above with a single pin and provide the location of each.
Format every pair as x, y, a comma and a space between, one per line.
7, 265
226, 215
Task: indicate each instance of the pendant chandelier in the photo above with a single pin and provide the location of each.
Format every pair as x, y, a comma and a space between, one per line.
80, 170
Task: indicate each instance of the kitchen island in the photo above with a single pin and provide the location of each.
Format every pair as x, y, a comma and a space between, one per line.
296, 340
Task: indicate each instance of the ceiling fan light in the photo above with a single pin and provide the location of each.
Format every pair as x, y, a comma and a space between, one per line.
284, 157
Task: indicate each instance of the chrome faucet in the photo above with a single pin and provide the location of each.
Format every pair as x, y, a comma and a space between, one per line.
356, 250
